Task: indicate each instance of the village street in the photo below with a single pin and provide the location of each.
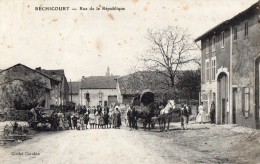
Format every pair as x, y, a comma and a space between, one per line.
200, 144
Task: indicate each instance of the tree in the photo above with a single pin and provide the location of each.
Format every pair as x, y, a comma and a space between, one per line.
169, 50
189, 84
22, 94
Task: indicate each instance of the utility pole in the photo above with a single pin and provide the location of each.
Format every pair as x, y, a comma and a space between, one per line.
70, 91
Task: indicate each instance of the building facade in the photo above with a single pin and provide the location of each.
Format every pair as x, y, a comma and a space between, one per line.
99, 90
74, 92
230, 56
62, 95
15, 78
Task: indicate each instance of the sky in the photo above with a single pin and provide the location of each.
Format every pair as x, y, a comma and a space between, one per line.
85, 43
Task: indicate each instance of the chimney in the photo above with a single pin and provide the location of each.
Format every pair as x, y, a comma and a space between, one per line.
108, 71
38, 69
83, 77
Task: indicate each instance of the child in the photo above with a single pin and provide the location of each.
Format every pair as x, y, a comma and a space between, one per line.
92, 120
66, 124
86, 119
74, 121
78, 125
81, 120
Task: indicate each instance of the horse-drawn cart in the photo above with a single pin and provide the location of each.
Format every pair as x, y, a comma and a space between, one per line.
146, 108
41, 118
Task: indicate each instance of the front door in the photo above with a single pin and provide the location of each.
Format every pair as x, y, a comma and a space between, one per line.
234, 106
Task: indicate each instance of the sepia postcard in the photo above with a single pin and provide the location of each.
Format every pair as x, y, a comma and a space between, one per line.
129, 81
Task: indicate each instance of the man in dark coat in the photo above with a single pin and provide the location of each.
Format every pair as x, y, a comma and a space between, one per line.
212, 112
184, 116
74, 120
134, 118
130, 118
69, 119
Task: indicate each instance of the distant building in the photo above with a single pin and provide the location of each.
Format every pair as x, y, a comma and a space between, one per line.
230, 61
99, 90
74, 92
63, 95
19, 74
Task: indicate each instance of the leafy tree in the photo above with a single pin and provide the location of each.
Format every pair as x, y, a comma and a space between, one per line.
189, 84
22, 94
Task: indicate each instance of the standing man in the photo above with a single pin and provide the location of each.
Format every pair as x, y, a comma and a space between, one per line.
184, 116
212, 112
188, 110
130, 118
134, 119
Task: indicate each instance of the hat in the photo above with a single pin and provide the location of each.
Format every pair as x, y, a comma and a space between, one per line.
116, 107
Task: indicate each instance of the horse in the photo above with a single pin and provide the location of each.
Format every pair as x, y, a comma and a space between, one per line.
146, 113
167, 114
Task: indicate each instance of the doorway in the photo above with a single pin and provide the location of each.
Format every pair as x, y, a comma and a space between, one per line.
234, 106
222, 98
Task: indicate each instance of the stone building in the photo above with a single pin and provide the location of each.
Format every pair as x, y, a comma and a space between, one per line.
74, 92
17, 75
230, 57
63, 87
99, 90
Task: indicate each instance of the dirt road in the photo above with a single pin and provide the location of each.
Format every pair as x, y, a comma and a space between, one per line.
113, 146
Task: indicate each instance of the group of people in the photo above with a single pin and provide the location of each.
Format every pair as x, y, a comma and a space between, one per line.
201, 117
94, 117
131, 118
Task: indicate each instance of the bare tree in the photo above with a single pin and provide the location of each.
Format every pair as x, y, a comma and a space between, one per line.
169, 50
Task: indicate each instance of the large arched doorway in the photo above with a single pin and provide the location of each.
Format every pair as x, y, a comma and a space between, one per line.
257, 91
222, 98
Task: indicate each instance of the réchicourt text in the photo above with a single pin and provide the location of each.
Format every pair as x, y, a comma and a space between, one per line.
52, 8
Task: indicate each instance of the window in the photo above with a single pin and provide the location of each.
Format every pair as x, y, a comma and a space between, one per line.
213, 69
222, 39
100, 103
235, 33
87, 97
207, 70
207, 46
213, 43
246, 28
100, 95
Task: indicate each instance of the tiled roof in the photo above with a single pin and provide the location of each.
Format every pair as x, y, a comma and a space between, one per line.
99, 82
57, 74
74, 87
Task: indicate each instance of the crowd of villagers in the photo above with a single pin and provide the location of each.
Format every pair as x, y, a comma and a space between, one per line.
95, 117
80, 117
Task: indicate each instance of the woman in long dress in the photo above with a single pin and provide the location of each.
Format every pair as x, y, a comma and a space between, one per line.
97, 119
92, 119
117, 118
201, 118
110, 118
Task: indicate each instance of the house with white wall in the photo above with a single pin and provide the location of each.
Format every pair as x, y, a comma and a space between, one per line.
99, 90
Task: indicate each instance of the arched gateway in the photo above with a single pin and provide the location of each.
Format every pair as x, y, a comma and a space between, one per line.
222, 99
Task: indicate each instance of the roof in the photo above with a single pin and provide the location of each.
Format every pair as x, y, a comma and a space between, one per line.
98, 82
19, 64
227, 22
74, 87
57, 74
